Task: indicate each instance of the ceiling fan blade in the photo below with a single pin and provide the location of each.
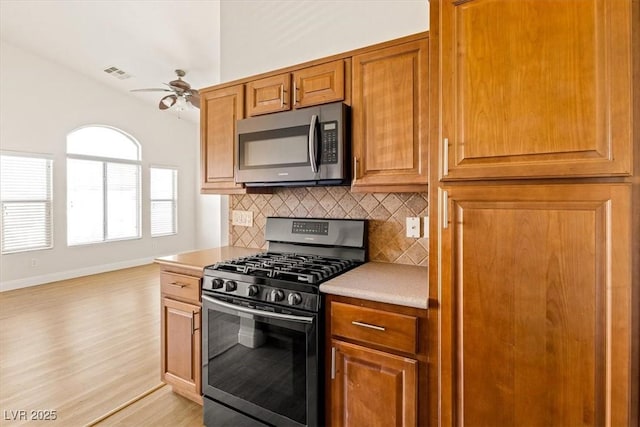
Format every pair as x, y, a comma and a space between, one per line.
167, 102
179, 84
194, 99
151, 90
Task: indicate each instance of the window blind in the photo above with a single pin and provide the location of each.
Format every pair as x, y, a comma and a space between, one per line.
26, 198
164, 201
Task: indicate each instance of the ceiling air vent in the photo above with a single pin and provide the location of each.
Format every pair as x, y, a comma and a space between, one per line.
117, 73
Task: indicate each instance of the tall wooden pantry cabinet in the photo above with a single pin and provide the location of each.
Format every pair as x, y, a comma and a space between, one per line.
535, 207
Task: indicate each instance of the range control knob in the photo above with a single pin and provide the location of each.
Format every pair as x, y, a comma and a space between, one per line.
276, 295
253, 290
294, 298
217, 283
230, 286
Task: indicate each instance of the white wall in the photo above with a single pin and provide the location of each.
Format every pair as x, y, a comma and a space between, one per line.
257, 36
213, 221
40, 102
212, 211
260, 36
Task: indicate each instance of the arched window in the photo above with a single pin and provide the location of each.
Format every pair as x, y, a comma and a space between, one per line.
103, 185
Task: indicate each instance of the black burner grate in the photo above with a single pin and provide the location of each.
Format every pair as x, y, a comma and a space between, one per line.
294, 267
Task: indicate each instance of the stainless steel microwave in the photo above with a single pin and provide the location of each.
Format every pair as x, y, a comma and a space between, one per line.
302, 147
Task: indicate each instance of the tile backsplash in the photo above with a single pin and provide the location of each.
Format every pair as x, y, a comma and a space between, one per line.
386, 213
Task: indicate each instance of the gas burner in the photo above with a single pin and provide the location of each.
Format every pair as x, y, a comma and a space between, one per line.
304, 268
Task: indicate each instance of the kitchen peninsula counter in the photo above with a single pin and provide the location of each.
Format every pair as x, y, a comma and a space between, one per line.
406, 285
196, 261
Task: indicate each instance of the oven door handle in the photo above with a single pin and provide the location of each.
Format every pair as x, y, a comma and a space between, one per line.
268, 314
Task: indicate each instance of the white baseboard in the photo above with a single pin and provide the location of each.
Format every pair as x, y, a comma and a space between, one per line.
71, 274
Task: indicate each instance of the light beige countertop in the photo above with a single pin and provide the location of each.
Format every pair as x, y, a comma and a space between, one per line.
399, 284
198, 260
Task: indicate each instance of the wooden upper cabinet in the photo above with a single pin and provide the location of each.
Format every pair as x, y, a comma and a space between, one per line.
269, 95
318, 84
390, 118
546, 93
219, 110
536, 306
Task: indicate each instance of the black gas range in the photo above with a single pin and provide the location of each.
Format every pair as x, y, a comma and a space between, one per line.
262, 323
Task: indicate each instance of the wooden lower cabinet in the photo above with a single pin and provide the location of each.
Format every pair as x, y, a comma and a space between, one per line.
373, 388
535, 312
376, 370
180, 342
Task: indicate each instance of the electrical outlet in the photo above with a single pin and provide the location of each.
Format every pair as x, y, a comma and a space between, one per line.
242, 218
34, 262
425, 230
413, 226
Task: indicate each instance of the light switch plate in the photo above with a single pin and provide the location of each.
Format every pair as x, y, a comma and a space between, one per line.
413, 226
242, 218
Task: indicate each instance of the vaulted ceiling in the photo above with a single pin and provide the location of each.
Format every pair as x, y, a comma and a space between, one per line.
147, 39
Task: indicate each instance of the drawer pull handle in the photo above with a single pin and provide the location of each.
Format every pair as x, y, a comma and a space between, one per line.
368, 325
177, 285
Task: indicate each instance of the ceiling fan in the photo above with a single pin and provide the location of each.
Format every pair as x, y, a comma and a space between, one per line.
182, 93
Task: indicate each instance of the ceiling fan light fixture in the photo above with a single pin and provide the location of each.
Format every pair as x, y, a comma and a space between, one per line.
181, 104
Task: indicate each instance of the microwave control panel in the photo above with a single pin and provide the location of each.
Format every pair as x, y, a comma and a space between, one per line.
329, 132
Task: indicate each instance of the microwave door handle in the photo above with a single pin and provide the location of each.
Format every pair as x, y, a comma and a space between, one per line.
313, 143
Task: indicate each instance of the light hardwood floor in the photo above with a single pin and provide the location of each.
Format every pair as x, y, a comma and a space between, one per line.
84, 347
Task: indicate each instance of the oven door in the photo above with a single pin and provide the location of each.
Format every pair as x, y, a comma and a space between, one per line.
261, 363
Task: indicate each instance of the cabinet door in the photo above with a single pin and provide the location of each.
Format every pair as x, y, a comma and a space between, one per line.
535, 310
269, 95
544, 93
372, 388
219, 110
319, 84
181, 366
390, 119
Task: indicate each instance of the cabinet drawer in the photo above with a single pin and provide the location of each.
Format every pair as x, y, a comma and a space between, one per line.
180, 285
384, 328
